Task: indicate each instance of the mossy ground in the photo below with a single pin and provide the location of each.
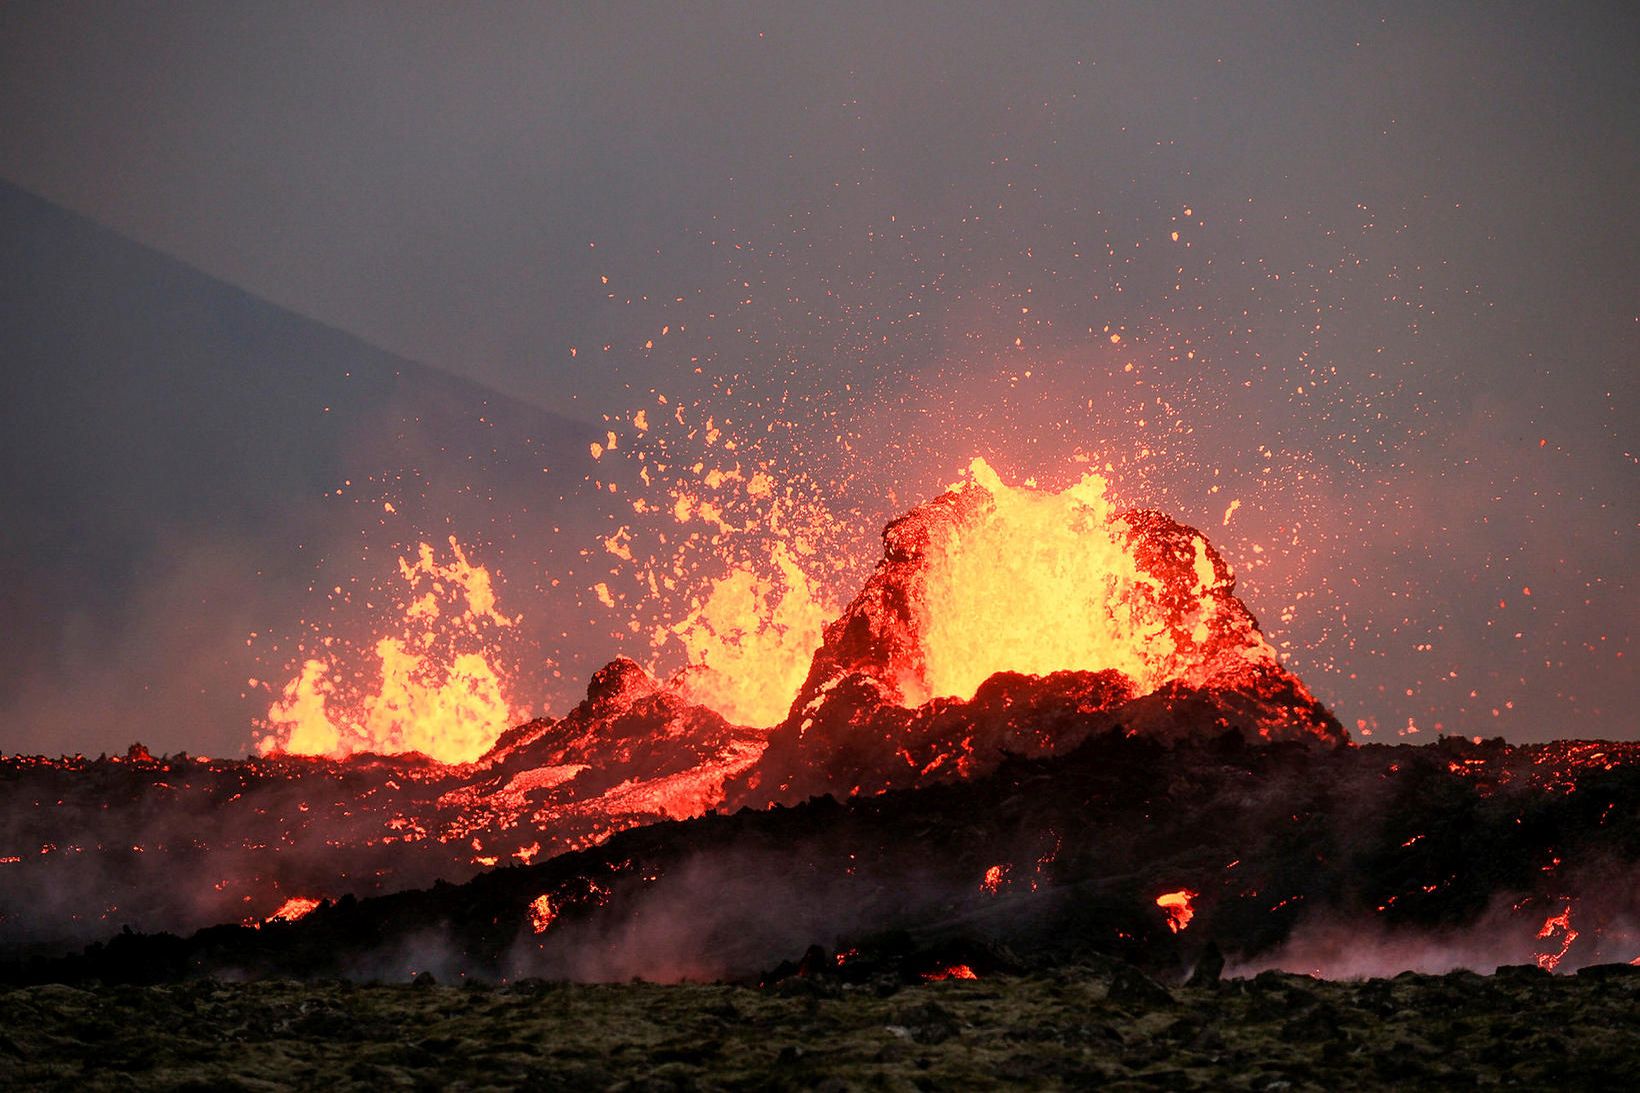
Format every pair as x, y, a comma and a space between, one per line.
1077, 1028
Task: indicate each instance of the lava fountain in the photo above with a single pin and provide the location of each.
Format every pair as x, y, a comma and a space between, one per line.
436, 689
1035, 582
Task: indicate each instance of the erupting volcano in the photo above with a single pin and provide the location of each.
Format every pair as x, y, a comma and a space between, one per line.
1009, 619
986, 579
1010, 637
797, 546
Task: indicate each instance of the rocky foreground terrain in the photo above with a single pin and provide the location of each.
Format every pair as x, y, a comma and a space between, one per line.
1083, 1025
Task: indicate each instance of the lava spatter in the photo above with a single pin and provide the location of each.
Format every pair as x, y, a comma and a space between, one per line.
438, 686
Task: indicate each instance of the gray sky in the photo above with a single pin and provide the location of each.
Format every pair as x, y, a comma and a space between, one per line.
428, 176
1412, 278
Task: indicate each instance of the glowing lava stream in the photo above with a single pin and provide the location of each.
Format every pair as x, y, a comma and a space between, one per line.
1556, 924
294, 908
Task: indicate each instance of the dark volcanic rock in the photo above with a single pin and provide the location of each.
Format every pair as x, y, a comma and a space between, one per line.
1338, 857
854, 742
631, 731
1049, 1031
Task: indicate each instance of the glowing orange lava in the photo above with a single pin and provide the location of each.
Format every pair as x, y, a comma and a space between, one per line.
1560, 924
293, 908
954, 971
437, 690
1179, 908
995, 877
1041, 582
751, 640
719, 569
542, 913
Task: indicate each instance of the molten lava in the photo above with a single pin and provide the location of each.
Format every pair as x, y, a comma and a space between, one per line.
750, 642
542, 914
1556, 928
1179, 907
437, 690
1015, 620
992, 578
1037, 582
293, 908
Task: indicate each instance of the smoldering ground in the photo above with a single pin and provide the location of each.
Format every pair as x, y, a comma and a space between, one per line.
1276, 842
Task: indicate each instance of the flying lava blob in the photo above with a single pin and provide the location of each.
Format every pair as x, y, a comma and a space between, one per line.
1179, 907
437, 688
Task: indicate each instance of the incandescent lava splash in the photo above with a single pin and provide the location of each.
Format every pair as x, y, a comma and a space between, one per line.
436, 689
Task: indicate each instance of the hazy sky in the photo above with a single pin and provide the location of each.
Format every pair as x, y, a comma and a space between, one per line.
1411, 291
429, 176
